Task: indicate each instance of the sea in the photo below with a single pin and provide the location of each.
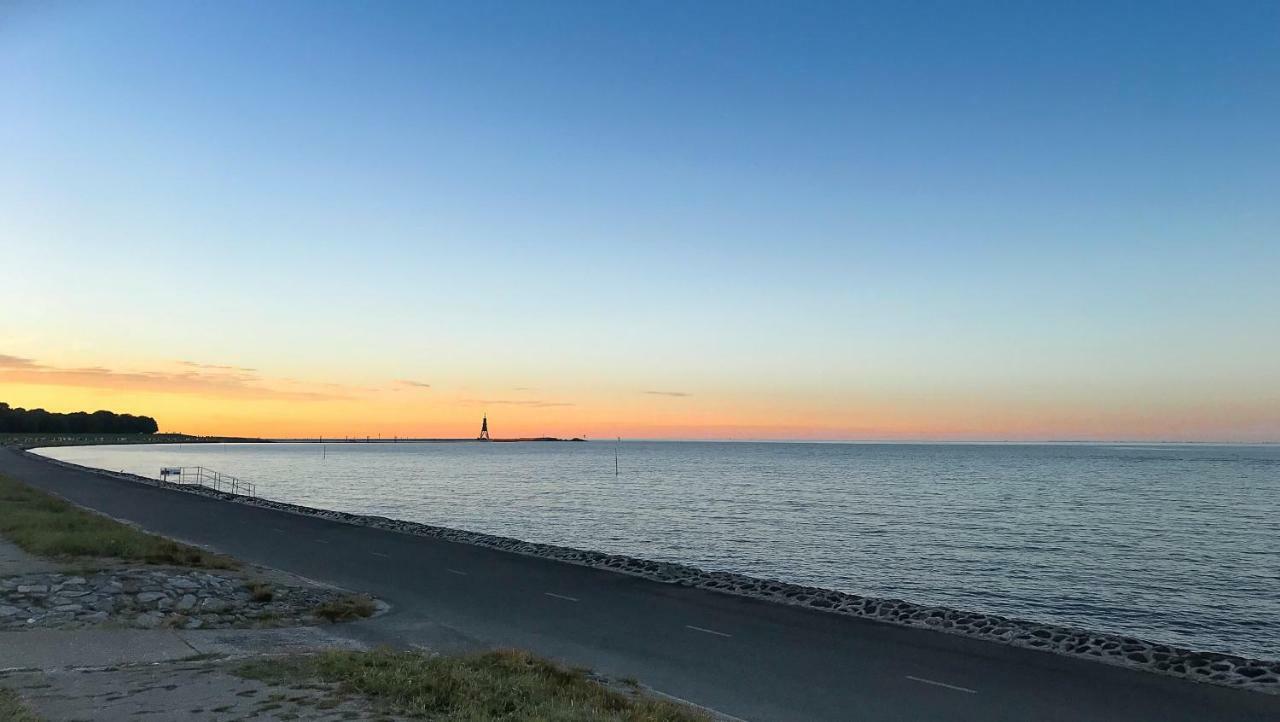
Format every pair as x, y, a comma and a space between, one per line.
1175, 543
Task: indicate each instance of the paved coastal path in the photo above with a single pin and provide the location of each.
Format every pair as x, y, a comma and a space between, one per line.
751, 659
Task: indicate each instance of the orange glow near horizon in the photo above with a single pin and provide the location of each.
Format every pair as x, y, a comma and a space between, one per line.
230, 402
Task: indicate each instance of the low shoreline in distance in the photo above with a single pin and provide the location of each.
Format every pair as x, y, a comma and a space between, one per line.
36, 440
33, 440
408, 440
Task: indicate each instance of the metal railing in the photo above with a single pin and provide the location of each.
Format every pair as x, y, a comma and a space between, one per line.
208, 478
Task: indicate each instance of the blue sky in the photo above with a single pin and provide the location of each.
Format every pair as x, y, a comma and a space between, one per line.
1064, 218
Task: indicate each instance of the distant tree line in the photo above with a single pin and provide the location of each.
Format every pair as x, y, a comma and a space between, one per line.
33, 421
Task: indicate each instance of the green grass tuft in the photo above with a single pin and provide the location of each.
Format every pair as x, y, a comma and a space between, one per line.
50, 527
260, 592
343, 609
12, 709
507, 685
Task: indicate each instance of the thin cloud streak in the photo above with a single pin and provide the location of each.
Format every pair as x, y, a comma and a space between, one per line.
676, 394
414, 384
233, 383
216, 367
16, 362
533, 404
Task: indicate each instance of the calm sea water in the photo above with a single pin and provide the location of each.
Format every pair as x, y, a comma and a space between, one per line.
1175, 543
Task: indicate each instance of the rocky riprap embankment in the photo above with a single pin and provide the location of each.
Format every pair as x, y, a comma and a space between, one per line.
150, 598
1224, 669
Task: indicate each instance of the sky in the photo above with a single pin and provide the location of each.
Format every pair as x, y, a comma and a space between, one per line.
746, 220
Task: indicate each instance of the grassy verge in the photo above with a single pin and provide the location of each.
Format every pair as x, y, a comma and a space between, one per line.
47, 526
12, 709
507, 685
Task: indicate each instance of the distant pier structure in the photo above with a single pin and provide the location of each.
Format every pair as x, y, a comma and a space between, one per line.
484, 429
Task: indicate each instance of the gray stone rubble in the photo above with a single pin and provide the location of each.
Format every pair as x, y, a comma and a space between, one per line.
148, 598
188, 691
1213, 667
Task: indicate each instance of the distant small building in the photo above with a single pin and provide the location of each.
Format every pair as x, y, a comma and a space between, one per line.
484, 429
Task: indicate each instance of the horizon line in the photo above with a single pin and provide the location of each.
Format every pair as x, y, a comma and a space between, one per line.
384, 439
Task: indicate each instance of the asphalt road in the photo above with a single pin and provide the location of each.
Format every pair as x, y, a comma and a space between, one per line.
754, 660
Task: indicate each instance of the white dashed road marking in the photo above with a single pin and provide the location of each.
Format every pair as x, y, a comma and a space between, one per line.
380, 554
942, 684
455, 571
712, 713
561, 596
279, 530
321, 541
707, 631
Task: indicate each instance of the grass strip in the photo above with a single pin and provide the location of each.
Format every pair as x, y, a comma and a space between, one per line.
502, 685
12, 709
47, 526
